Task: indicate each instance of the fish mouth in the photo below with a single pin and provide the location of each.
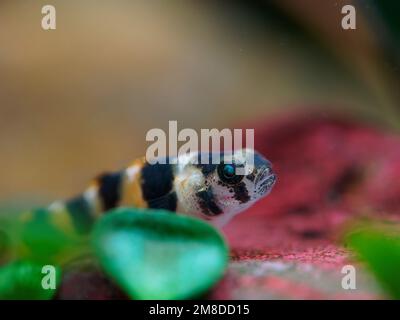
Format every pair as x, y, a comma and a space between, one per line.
262, 174
265, 181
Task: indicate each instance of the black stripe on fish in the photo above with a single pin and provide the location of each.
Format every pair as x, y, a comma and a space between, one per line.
81, 214
157, 180
204, 163
207, 202
207, 169
168, 202
110, 189
240, 192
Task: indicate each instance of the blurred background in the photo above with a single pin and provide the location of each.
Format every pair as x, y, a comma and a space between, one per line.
79, 100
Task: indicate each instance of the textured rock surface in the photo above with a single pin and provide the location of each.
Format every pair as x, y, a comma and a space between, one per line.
282, 279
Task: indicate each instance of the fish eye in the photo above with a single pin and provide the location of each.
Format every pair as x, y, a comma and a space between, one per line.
227, 173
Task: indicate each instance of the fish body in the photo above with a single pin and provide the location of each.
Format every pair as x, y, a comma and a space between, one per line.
186, 185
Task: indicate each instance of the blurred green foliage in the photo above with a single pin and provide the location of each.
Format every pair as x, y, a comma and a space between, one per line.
23, 280
379, 248
152, 254
36, 238
44, 242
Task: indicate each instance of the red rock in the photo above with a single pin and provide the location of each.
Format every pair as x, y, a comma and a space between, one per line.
330, 171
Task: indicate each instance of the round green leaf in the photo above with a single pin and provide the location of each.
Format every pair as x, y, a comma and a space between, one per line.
157, 254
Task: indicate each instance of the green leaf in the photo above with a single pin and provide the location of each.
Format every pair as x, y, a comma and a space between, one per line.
42, 240
23, 280
380, 249
9, 229
157, 254
32, 235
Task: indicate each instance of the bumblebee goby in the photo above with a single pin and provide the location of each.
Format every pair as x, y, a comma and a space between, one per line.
187, 184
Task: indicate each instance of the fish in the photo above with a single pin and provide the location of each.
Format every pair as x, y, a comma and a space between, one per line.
214, 191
